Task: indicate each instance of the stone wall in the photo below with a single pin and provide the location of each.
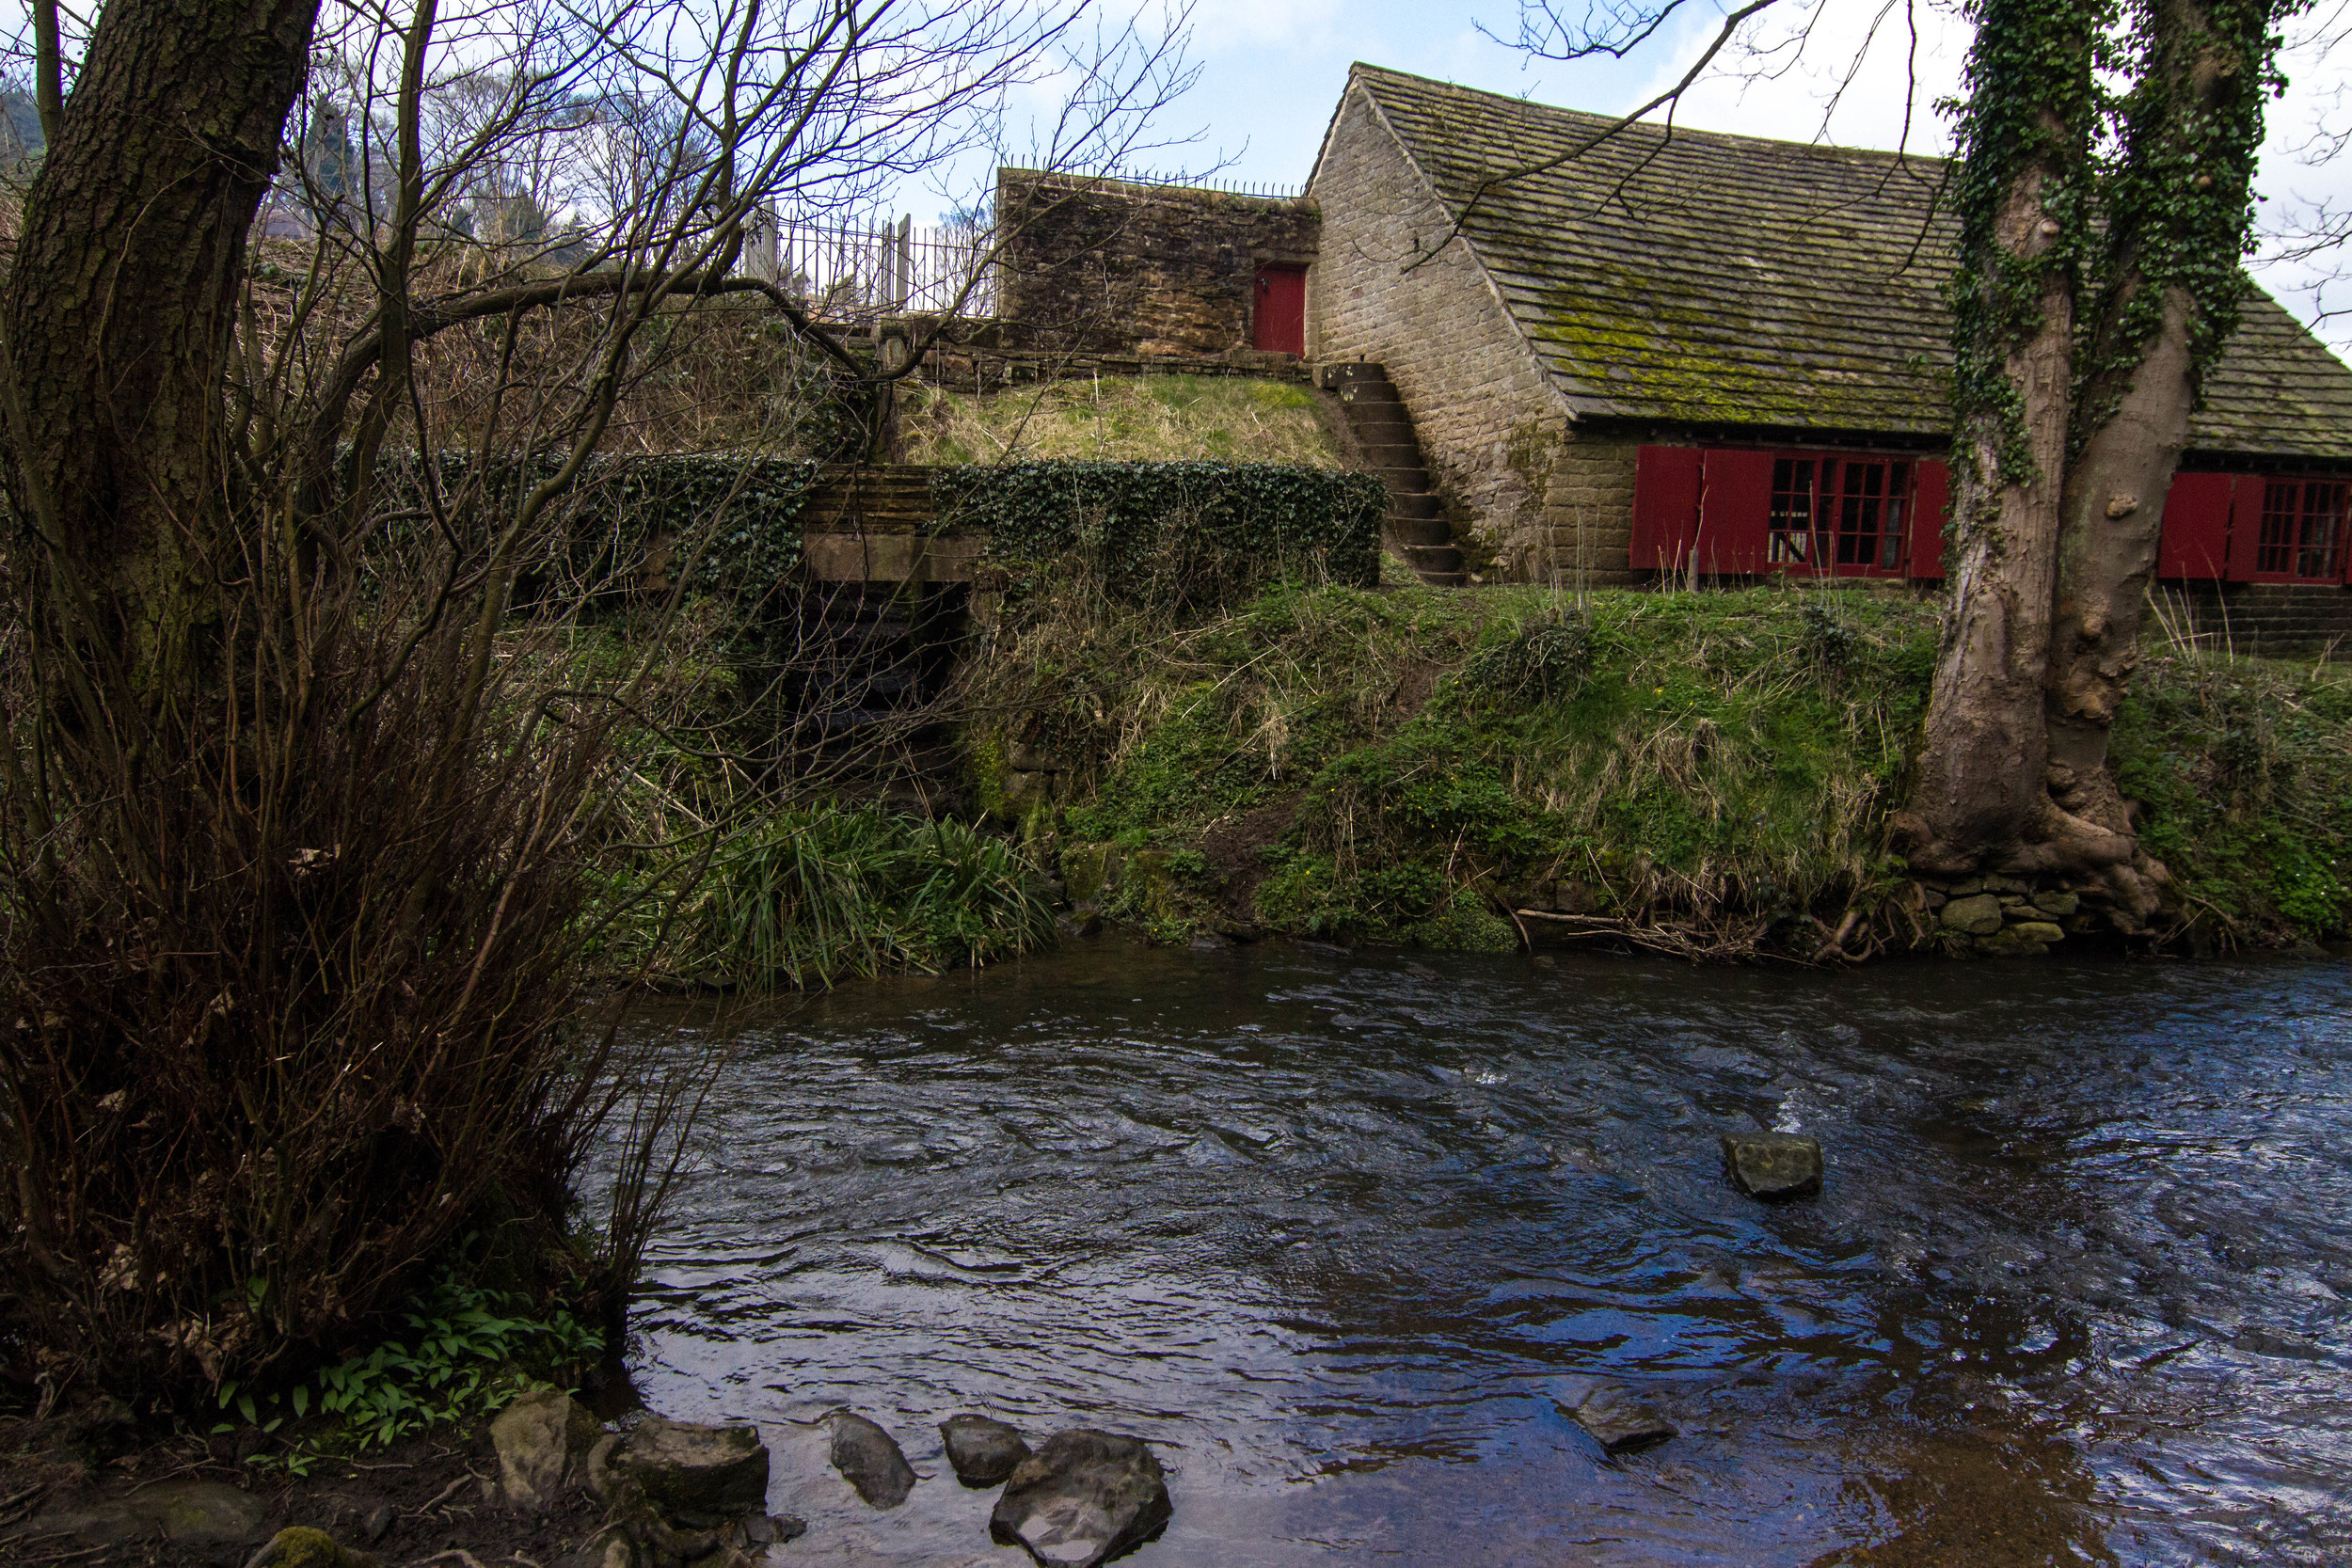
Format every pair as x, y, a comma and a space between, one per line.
1588, 513
1493, 432
1104, 267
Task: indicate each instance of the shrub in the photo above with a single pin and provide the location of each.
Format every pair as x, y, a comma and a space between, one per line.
1184, 535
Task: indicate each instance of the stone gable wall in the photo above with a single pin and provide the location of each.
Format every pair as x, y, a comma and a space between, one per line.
1587, 526
1106, 267
1495, 435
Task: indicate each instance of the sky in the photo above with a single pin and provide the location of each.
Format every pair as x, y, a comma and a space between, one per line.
1272, 71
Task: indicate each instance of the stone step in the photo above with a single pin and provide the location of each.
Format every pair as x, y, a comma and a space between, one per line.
1370, 394
1418, 530
1353, 373
1384, 429
1414, 503
1433, 557
1393, 454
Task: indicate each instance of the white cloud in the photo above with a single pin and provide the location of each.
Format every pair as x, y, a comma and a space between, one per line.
1221, 27
1845, 71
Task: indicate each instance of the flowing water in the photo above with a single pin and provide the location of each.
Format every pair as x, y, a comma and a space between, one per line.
1342, 1234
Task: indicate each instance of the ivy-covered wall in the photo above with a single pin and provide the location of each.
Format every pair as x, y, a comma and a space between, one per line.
632, 522
1188, 530
1185, 531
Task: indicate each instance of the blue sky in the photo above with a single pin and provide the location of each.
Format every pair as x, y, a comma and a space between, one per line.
1272, 71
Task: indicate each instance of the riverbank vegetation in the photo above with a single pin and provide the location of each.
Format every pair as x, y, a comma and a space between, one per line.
1703, 773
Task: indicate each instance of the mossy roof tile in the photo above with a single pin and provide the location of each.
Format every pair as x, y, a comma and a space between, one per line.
1690, 275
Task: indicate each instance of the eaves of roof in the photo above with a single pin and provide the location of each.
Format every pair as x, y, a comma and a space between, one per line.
1693, 276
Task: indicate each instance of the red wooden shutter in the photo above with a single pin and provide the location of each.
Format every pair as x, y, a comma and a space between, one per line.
1665, 508
2196, 539
2252, 492
1931, 504
1735, 511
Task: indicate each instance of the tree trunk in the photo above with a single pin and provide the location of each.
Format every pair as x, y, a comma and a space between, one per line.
1979, 780
2177, 223
2023, 195
118, 314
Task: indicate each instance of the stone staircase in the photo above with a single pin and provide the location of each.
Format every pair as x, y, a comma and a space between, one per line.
1416, 527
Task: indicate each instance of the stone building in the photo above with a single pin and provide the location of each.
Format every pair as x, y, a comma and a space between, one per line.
1630, 351
1107, 267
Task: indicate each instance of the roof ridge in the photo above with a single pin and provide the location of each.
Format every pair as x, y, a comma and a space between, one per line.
1599, 120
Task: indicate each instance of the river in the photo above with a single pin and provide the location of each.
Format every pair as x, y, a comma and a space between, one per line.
1341, 1234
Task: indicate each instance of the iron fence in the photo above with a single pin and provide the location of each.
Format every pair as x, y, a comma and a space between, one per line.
860, 270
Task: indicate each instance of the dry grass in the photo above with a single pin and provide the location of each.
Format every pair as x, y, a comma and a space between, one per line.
1127, 419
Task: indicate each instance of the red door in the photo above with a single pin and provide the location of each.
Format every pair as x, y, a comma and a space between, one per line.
1280, 322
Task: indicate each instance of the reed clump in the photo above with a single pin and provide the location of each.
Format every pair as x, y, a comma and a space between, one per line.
824, 891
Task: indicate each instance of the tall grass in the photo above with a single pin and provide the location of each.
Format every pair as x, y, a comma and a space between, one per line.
817, 895
1120, 419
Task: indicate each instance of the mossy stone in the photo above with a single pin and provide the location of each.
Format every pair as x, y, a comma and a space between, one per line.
1977, 915
300, 1546
1773, 1165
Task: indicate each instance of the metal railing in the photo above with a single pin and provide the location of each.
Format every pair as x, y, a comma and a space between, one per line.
860, 270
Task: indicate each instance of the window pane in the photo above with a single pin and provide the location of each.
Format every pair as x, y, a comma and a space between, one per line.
2275, 549
2321, 537
1793, 523
1858, 513
1891, 530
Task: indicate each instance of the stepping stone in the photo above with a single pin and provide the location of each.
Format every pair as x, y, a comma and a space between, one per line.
1773, 1165
1620, 1420
1082, 1499
695, 1475
983, 1452
870, 1460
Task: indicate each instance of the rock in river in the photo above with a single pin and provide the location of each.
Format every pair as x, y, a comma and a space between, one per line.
1773, 1165
695, 1475
1620, 1419
1082, 1499
983, 1452
869, 1459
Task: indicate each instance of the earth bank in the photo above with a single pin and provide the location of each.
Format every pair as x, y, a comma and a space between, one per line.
1704, 773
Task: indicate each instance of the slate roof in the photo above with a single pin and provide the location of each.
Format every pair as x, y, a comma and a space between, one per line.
1717, 279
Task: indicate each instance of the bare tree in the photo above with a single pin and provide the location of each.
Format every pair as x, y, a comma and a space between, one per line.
295, 815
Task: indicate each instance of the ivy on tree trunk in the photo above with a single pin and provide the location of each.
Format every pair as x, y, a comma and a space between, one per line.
2092, 295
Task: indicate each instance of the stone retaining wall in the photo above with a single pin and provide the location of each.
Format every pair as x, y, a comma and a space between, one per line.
2265, 619
1103, 267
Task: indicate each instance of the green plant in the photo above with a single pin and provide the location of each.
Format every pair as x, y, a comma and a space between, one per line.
815, 895
468, 1350
1541, 657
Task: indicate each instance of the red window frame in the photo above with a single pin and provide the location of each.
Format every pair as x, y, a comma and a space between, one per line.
2299, 529
1751, 511
1845, 514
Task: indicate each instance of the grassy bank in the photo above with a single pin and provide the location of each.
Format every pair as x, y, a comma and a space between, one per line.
1124, 419
1705, 773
